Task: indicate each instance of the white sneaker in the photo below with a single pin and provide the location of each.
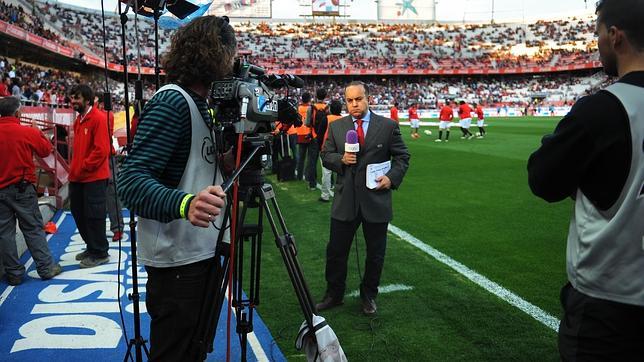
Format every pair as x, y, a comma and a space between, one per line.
438, 140
463, 137
446, 140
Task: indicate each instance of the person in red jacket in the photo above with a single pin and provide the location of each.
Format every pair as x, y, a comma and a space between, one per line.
18, 198
88, 175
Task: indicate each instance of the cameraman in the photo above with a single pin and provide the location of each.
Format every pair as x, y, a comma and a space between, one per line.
168, 181
596, 156
18, 199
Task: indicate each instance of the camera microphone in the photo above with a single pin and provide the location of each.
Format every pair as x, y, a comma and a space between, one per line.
278, 81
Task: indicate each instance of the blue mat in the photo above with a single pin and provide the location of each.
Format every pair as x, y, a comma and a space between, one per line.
74, 317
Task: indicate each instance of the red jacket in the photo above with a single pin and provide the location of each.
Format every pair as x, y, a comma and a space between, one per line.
17, 145
91, 148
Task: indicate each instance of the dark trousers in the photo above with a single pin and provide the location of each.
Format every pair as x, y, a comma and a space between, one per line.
112, 201
599, 330
23, 206
87, 202
307, 162
174, 297
337, 253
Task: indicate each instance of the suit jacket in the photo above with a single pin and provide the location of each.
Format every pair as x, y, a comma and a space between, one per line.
383, 142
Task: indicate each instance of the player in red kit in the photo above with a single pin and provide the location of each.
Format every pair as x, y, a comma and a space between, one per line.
445, 121
465, 115
414, 121
393, 112
479, 122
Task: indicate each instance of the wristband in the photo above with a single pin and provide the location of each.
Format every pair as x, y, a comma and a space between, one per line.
185, 204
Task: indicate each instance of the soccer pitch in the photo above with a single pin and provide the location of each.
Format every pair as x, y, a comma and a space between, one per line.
469, 200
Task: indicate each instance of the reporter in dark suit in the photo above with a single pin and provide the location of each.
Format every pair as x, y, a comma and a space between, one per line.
354, 204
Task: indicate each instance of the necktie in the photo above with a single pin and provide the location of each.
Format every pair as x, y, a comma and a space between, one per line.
360, 132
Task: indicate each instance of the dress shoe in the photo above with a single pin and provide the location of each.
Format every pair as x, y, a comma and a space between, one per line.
369, 307
327, 303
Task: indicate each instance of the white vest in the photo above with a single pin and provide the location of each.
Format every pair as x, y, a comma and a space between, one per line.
179, 242
605, 254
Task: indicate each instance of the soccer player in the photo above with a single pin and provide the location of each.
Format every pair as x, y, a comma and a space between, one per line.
445, 121
479, 122
393, 112
414, 121
465, 115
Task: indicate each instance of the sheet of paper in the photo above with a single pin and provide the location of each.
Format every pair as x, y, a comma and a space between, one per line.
376, 170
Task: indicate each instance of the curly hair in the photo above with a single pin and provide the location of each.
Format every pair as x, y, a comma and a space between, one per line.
201, 52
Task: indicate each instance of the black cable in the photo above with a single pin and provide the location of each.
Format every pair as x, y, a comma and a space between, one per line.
355, 243
108, 108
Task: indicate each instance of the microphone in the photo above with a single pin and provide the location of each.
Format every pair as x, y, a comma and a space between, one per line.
279, 81
351, 144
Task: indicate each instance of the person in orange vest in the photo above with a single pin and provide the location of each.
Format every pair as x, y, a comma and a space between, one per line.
316, 118
305, 144
335, 108
18, 198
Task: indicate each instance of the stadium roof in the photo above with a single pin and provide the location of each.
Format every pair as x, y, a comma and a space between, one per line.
446, 10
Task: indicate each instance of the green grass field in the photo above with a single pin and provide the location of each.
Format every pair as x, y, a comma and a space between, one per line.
468, 199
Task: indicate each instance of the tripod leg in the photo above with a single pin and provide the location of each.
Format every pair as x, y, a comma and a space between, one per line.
286, 243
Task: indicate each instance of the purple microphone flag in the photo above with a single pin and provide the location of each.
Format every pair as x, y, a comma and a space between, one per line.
352, 137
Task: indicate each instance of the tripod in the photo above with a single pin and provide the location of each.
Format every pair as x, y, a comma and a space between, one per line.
256, 195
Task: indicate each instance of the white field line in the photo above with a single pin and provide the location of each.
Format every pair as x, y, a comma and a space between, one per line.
383, 290
492, 287
9, 289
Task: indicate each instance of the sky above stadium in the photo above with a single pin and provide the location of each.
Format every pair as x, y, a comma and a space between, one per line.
446, 10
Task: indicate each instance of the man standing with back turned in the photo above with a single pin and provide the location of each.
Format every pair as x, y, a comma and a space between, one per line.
171, 181
354, 204
596, 156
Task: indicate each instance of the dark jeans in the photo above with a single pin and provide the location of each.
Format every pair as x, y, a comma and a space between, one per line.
87, 202
112, 201
337, 253
308, 169
599, 330
22, 206
174, 297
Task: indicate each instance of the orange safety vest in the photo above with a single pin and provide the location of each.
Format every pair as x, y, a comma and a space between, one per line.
331, 118
303, 130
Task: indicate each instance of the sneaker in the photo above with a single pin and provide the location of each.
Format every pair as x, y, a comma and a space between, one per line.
82, 255
14, 280
322, 199
90, 261
438, 140
463, 137
470, 137
53, 271
369, 307
117, 236
446, 140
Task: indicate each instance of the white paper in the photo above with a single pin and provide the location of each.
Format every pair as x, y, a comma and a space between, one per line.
376, 170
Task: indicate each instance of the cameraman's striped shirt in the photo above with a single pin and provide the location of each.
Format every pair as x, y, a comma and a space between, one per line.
152, 171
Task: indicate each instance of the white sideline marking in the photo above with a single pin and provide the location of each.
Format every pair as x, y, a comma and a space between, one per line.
492, 287
9, 289
386, 289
